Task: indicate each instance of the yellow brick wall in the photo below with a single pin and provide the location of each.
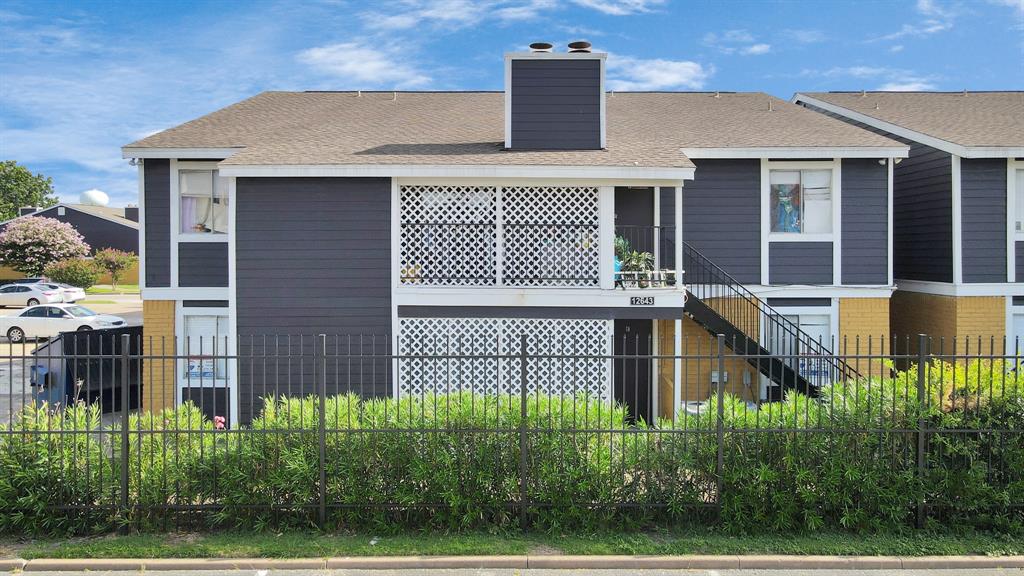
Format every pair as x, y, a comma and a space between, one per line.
966, 318
863, 331
700, 351
158, 387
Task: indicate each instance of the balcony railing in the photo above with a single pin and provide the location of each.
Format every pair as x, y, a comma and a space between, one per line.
644, 257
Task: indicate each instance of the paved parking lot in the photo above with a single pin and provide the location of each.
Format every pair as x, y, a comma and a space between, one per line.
15, 359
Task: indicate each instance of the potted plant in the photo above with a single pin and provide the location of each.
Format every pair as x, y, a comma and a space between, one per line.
627, 260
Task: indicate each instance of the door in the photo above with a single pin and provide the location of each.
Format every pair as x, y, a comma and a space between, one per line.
632, 374
34, 321
8, 295
634, 217
1016, 345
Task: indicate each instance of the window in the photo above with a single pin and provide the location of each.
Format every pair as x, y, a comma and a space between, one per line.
1019, 220
204, 202
205, 345
39, 312
801, 201
56, 313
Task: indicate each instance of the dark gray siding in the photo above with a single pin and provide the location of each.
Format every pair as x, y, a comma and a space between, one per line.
669, 215
157, 184
865, 229
922, 210
556, 104
983, 219
313, 257
202, 264
1019, 261
800, 263
99, 233
923, 215
722, 216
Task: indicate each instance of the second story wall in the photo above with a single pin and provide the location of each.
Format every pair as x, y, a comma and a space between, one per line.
157, 231
865, 228
923, 215
983, 219
722, 216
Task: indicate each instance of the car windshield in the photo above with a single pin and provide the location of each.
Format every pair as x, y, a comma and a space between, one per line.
79, 311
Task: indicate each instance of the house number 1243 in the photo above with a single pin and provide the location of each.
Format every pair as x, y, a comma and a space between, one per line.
641, 301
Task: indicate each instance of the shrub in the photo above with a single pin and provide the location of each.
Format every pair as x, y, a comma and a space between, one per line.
844, 460
29, 244
74, 271
115, 262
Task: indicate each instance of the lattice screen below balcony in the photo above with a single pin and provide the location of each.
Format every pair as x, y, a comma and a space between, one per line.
487, 351
518, 236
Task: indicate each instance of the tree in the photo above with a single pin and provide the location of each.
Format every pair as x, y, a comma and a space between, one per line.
115, 262
19, 187
75, 271
29, 244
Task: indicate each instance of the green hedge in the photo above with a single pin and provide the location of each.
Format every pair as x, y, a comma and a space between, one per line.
846, 460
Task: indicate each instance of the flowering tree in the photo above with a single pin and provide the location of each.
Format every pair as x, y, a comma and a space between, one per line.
114, 262
29, 244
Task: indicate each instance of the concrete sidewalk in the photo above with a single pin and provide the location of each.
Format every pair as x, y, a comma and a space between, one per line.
540, 562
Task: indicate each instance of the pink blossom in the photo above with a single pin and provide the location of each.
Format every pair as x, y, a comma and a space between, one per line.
218, 422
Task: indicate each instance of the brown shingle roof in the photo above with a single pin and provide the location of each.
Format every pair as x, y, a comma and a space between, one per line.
966, 119
443, 128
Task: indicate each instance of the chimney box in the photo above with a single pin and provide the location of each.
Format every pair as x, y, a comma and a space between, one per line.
555, 100
24, 210
131, 213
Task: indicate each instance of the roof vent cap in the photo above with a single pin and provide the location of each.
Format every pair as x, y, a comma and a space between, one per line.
541, 47
579, 46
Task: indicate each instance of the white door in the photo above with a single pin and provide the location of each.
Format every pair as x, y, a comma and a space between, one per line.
34, 322
1015, 345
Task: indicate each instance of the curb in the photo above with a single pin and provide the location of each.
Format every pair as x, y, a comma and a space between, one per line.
745, 562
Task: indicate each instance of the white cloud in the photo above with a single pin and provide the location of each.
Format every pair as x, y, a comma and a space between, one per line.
451, 15
735, 42
756, 49
892, 79
626, 73
362, 66
907, 86
804, 36
896, 48
934, 19
1017, 5
620, 7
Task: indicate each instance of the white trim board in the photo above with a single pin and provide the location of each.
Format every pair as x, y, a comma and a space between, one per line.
164, 293
948, 289
669, 175
798, 152
541, 297
944, 145
800, 291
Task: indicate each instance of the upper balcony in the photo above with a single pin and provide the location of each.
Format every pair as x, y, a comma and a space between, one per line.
560, 237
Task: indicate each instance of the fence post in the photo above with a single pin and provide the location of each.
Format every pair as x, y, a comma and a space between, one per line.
922, 354
720, 423
320, 374
125, 441
523, 504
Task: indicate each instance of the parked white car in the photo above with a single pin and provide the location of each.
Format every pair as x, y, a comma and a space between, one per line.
29, 295
49, 320
70, 293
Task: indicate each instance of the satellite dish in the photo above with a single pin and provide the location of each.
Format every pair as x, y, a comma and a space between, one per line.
94, 197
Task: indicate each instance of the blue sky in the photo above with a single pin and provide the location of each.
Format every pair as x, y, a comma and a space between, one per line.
80, 79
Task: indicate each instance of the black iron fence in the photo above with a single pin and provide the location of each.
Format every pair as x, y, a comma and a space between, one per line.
342, 431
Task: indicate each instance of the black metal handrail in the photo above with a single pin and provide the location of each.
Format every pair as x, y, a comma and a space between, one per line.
757, 320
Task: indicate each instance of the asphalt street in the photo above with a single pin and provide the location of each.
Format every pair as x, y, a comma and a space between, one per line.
541, 572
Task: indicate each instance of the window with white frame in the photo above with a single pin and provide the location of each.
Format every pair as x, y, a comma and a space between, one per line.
801, 201
205, 345
1019, 201
203, 204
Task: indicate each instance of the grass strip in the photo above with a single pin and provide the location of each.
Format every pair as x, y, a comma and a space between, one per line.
317, 545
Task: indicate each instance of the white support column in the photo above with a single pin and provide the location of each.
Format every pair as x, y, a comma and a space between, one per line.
657, 228
677, 372
677, 219
837, 222
606, 236
765, 220
889, 225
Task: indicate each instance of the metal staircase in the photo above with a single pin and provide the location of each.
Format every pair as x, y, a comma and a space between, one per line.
771, 343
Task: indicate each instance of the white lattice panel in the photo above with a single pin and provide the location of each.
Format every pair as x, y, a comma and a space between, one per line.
550, 236
448, 235
489, 338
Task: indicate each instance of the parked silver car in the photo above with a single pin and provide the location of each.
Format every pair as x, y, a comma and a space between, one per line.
69, 292
29, 295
